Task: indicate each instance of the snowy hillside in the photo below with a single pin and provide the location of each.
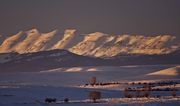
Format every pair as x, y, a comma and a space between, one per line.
170, 71
58, 58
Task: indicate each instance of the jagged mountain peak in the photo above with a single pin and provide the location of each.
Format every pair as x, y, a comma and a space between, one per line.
53, 32
32, 31
65, 40
69, 31
93, 36
9, 43
97, 33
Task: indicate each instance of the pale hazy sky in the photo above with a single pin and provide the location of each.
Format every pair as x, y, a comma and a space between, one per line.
109, 16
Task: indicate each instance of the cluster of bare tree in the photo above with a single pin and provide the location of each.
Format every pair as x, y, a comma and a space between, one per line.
145, 91
93, 82
54, 100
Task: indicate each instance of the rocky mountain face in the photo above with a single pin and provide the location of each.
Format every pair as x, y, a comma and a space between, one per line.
94, 44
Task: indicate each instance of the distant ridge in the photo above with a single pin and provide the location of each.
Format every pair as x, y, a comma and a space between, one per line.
53, 59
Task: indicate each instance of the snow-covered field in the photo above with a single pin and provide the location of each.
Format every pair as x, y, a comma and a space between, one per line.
31, 88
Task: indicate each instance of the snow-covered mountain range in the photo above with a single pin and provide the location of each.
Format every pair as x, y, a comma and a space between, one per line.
95, 44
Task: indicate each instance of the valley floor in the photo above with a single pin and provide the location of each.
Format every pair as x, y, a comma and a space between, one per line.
31, 88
